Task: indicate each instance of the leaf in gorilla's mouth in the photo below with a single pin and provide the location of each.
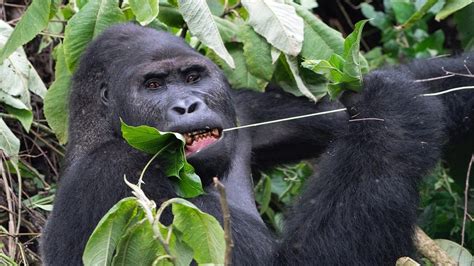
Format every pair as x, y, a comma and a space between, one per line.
200, 139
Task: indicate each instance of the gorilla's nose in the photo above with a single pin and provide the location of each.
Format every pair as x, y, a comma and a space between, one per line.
186, 106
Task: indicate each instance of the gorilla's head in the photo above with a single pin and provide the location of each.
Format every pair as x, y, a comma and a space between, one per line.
147, 77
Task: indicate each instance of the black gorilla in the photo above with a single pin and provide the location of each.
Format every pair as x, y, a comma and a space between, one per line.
359, 210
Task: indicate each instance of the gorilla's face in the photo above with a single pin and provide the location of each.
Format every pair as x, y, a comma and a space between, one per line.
175, 90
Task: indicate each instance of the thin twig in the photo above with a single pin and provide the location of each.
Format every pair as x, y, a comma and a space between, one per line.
286, 119
229, 244
435, 78
11, 223
466, 193
448, 91
366, 119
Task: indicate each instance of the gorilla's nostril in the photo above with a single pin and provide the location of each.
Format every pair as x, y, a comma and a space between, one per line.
179, 110
193, 107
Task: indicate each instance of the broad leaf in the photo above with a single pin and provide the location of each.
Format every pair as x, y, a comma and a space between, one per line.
18, 79
24, 116
257, 53
138, 246
32, 22
9, 143
240, 77
170, 149
278, 23
145, 10
320, 40
103, 241
201, 24
200, 231
56, 101
464, 21
293, 65
455, 251
88, 23
452, 6
352, 57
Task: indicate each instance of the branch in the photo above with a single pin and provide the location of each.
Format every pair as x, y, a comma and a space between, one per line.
229, 244
431, 250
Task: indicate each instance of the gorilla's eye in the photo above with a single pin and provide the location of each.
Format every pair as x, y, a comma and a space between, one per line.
153, 84
192, 77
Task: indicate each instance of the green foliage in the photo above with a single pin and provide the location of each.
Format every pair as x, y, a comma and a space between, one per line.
56, 101
131, 233
18, 79
32, 22
169, 148
342, 72
441, 208
94, 17
277, 189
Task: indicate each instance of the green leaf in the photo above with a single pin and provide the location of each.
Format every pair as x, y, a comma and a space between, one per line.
24, 116
240, 77
452, 6
138, 246
103, 241
18, 78
9, 143
170, 149
227, 29
201, 24
403, 10
170, 16
263, 193
32, 22
293, 65
456, 251
87, 24
257, 54
200, 231
145, 10
352, 57
377, 18
419, 14
317, 34
7, 261
56, 104
464, 21
278, 23
148, 139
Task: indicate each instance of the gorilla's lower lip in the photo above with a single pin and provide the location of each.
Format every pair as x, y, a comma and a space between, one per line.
198, 140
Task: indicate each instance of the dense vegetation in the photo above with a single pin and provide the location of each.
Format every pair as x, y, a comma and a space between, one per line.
305, 54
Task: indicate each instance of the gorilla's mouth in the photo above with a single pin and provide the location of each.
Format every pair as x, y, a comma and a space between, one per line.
200, 139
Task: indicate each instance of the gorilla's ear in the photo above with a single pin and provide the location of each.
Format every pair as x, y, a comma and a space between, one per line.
104, 94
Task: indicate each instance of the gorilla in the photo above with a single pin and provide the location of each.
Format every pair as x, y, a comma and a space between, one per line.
360, 208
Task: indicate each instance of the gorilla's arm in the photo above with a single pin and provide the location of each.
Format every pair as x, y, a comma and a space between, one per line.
288, 141
361, 208
304, 138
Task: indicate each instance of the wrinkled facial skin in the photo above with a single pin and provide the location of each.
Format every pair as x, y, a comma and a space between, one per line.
180, 91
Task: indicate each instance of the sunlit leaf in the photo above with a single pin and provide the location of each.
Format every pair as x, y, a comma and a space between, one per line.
87, 24
34, 19
278, 23
200, 231
170, 147
145, 10
106, 236
56, 101
452, 6
201, 24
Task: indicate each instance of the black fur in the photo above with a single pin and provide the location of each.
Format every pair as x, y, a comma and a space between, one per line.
359, 210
